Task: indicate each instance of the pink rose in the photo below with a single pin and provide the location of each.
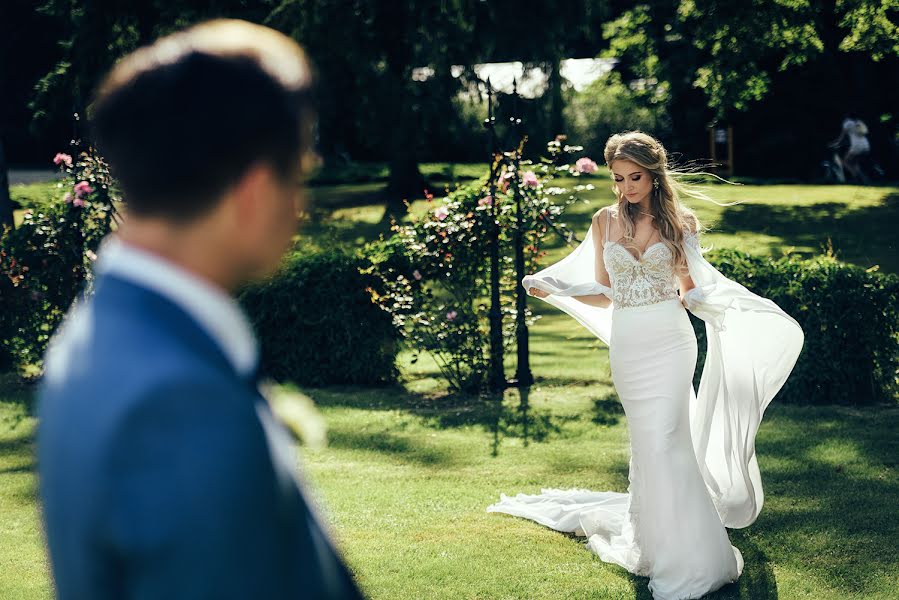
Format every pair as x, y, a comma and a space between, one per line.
78, 202
67, 198
62, 158
451, 315
530, 179
82, 188
441, 213
585, 165
416, 275
486, 201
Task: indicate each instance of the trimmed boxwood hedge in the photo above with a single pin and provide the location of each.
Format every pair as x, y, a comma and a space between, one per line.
850, 317
317, 324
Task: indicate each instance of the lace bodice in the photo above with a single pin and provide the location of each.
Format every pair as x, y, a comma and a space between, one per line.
638, 282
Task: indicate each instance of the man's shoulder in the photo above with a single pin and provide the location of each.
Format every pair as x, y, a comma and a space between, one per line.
108, 359
116, 347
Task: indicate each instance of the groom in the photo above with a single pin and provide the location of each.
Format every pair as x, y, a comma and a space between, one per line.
163, 473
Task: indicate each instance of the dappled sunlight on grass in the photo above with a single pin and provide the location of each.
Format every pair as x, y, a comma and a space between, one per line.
23, 565
410, 468
408, 474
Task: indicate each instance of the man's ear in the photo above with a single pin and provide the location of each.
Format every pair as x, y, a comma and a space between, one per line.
250, 190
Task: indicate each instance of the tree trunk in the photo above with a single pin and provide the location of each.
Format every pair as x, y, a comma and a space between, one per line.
6, 214
405, 183
401, 121
557, 119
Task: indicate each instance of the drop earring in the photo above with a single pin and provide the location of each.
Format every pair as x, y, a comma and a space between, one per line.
655, 183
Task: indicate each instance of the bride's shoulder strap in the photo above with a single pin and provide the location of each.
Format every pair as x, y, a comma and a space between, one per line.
603, 213
608, 221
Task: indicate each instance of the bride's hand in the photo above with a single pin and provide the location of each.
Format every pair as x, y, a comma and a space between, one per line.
537, 292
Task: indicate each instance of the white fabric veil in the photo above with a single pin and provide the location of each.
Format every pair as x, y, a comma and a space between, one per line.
752, 348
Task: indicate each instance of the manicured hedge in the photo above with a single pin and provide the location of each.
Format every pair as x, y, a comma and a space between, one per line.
850, 317
317, 324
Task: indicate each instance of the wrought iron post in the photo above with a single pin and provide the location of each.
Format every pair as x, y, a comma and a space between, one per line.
523, 376
497, 380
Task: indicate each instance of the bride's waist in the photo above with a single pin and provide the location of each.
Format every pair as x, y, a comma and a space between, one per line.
661, 305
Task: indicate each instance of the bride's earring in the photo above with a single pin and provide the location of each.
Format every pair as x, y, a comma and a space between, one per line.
655, 183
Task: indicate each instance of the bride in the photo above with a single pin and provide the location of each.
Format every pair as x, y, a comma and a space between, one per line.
693, 469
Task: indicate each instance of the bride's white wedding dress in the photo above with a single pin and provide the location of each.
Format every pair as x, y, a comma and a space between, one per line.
692, 468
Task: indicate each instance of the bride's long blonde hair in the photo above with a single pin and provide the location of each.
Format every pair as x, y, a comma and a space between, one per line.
673, 219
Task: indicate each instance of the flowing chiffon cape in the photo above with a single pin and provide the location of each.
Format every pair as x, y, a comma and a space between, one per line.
752, 347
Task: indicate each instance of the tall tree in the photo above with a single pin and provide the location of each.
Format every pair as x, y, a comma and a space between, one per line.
6, 214
722, 59
366, 78
96, 33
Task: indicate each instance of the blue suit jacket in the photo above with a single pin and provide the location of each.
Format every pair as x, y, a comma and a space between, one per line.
156, 476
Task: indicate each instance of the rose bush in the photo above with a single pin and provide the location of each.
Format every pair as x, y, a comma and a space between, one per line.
434, 271
44, 262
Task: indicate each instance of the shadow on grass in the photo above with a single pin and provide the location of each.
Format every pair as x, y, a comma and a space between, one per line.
508, 415
30, 467
829, 474
344, 233
757, 580
864, 236
838, 482
410, 448
607, 410
17, 436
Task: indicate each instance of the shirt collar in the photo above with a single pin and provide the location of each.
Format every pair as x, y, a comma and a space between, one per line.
213, 309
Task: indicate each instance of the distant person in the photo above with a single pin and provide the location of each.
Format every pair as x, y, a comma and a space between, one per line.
163, 472
855, 130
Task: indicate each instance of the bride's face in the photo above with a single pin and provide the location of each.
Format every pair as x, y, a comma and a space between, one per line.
632, 181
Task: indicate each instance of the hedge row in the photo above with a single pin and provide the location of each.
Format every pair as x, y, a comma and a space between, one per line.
850, 317
317, 324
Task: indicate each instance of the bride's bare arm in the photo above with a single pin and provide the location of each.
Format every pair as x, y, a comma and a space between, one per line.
600, 274
600, 300
685, 281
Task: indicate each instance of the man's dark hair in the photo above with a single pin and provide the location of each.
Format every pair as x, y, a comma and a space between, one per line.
181, 120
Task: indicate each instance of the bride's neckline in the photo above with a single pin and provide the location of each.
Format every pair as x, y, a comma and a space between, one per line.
642, 254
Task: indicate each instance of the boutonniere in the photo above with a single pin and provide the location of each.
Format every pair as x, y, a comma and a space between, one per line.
297, 412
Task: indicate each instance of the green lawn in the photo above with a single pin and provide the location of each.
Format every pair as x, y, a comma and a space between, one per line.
410, 469
860, 223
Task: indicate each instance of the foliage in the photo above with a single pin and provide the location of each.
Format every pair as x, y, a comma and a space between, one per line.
850, 317
754, 66
608, 106
731, 50
740, 41
44, 263
98, 34
435, 271
871, 28
317, 324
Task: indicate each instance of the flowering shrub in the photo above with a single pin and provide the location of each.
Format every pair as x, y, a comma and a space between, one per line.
44, 262
435, 270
